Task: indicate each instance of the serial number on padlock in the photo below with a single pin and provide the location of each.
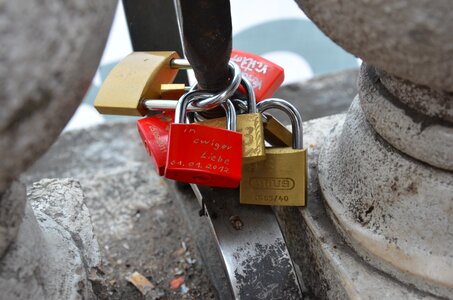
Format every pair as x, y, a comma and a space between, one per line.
272, 198
199, 165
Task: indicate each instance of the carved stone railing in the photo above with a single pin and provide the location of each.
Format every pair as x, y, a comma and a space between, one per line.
386, 172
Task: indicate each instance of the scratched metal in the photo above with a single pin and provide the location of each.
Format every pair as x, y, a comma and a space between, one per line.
251, 245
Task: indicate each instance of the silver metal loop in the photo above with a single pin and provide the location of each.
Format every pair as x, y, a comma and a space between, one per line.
241, 105
292, 112
184, 101
226, 93
250, 93
162, 104
230, 113
180, 63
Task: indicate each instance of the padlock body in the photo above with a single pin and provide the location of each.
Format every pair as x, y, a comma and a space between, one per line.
265, 76
135, 78
154, 132
204, 155
251, 127
280, 179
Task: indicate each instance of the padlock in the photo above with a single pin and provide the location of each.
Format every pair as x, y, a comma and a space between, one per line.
203, 154
250, 125
280, 179
137, 77
265, 76
275, 133
153, 131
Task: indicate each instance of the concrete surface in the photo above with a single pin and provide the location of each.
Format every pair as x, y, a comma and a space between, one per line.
430, 102
396, 212
407, 38
55, 255
49, 54
329, 267
12, 205
428, 139
136, 220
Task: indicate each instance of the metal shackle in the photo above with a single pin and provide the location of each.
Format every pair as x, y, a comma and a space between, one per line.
222, 96
190, 97
250, 93
292, 112
230, 113
184, 101
249, 105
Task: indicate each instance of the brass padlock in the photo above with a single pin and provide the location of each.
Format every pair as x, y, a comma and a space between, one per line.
251, 127
280, 179
275, 133
137, 77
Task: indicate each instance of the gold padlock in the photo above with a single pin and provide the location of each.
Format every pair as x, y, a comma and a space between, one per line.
275, 133
135, 78
251, 127
280, 179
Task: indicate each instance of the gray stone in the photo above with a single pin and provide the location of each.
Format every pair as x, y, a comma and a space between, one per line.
394, 211
429, 102
136, 220
64, 202
427, 139
55, 254
12, 204
329, 267
49, 54
407, 38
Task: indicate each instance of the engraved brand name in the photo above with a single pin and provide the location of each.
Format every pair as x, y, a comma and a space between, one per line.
272, 183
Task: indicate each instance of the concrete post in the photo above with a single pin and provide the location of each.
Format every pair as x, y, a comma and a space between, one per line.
48, 56
386, 173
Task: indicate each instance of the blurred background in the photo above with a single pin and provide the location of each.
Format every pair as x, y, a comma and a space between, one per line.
275, 29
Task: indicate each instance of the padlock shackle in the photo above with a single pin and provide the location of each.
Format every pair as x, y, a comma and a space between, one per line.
230, 113
221, 96
292, 112
185, 101
250, 93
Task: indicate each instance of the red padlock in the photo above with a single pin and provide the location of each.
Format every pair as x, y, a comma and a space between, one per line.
154, 133
265, 76
202, 154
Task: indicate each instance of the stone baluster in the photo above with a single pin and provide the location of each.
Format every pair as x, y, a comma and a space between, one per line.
386, 172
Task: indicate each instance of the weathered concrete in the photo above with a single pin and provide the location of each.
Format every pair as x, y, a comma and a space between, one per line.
427, 139
409, 39
396, 212
49, 54
429, 102
55, 255
329, 267
136, 220
12, 205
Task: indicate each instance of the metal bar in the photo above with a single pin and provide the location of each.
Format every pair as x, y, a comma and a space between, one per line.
153, 27
251, 245
207, 35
